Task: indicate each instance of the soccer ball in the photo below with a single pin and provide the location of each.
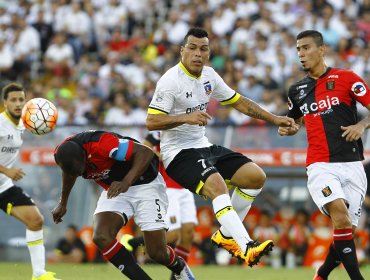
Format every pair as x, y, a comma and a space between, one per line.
39, 116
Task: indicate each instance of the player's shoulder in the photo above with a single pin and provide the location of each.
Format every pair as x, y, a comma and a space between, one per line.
298, 85
170, 77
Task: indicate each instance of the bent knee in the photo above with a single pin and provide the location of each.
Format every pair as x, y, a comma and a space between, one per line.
35, 222
102, 239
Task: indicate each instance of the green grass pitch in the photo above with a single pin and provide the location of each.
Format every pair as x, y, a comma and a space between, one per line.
22, 271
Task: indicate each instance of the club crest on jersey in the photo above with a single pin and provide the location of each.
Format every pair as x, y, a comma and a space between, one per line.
208, 88
359, 89
330, 85
326, 191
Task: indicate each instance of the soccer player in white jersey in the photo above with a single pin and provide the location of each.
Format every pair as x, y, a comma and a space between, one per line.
178, 109
13, 200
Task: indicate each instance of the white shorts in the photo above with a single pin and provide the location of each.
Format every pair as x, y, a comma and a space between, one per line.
181, 208
147, 203
328, 181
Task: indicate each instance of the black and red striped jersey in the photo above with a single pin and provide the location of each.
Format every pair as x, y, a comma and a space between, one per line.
326, 104
100, 164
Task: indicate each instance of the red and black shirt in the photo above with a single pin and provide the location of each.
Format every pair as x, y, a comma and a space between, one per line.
326, 104
101, 166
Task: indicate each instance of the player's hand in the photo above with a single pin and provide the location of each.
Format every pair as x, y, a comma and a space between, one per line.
291, 130
352, 132
198, 118
15, 173
116, 188
284, 121
58, 212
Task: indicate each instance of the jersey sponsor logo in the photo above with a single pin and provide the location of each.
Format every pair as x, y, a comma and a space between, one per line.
10, 136
189, 94
333, 77
359, 89
208, 87
10, 150
199, 107
322, 104
301, 86
326, 191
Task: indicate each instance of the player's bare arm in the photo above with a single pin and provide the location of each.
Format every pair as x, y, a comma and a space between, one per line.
60, 210
291, 130
252, 109
13, 173
164, 121
354, 132
141, 158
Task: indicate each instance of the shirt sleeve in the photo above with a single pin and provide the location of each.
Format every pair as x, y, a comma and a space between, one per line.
114, 147
294, 111
164, 97
359, 89
222, 92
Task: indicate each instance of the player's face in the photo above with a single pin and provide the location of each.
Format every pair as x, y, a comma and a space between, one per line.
195, 54
310, 55
14, 104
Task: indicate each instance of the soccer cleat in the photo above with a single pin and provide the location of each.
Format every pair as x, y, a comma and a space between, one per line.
255, 250
124, 241
185, 273
46, 276
228, 243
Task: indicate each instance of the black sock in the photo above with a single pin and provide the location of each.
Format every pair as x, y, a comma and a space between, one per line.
332, 261
136, 242
124, 261
346, 250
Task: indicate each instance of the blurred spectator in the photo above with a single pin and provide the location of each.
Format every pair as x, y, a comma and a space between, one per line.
45, 30
59, 57
70, 248
6, 60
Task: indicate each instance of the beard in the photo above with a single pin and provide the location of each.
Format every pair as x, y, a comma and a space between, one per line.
15, 115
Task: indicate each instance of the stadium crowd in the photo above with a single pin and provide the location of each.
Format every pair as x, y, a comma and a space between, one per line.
99, 60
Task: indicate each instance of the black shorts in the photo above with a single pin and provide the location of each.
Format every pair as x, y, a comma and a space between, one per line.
14, 196
191, 167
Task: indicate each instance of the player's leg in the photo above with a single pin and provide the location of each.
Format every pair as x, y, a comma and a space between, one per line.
192, 169
332, 198
248, 181
21, 206
109, 216
188, 218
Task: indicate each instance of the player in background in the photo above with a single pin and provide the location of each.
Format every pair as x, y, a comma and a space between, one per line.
326, 100
128, 172
178, 109
181, 216
13, 200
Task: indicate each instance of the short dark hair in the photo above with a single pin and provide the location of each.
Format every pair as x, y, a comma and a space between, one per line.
316, 35
69, 154
196, 32
10, 88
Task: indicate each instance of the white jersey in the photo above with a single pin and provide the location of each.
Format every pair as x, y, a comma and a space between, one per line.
179, 92
10, 144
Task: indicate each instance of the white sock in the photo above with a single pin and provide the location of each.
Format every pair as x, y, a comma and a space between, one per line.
35, 243
241, 200
228, 219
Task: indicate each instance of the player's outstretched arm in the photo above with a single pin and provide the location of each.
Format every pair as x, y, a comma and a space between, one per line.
141, 158
60, 210
252, 109
291, 130
164, 121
